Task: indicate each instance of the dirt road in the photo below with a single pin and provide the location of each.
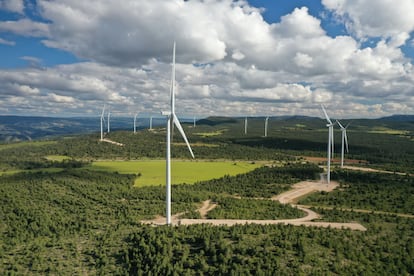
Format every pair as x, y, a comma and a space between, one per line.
298, 190
364, 169
206, 207
303, 188
112, 142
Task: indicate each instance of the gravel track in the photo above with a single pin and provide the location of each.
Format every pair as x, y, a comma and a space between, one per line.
290, 197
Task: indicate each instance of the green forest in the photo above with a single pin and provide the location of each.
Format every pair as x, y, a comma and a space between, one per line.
60, 217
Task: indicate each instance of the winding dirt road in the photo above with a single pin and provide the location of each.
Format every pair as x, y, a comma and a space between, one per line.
290, 197
112, 142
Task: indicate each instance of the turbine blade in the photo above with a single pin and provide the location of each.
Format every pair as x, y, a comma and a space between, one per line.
332, 141
180, 129
346, 141
340, 125
172, 131
326, 115
173, 87
172, 92
103, 112
103, 118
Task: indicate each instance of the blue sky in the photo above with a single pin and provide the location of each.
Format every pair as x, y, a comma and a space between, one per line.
67, 58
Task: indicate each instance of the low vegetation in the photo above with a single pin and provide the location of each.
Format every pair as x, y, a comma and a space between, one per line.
245, 208
369, 191
274, 249
69, 206
86, 216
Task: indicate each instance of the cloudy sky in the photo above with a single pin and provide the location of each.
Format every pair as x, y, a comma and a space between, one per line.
254, 57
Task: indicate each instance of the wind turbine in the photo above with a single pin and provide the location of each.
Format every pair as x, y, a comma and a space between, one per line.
135, 122
171, 121
109, 116
245, 125
102, 122
344, 141
150, 124
330, 142
266, 124
194, 123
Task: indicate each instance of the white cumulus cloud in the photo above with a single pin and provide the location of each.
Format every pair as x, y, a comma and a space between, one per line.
25, 27
16, 6
379, 18
7, 42
229, 59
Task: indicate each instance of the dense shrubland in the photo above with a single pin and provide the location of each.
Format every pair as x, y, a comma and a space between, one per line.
79, 221
261, 182
273, 249
234, 208
85, 215
76, 221
370, 191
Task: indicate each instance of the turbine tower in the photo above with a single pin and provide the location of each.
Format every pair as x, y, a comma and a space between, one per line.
344, 141
109, 116
330, 143
150, 124
194, 123
266, 124
245, 125
171, 121
135, 122
102, 122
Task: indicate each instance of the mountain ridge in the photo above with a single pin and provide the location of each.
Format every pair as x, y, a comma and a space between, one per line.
22, 128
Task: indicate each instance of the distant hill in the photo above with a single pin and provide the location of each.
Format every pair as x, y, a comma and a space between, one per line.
17, 128
212, 121
23, 128
393, 124
399, 118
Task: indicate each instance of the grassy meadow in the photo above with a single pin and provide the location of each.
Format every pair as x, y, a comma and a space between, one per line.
45, 170
152, 172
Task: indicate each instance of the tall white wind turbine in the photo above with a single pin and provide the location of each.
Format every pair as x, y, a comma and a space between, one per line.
245, 125
194, 122
171, 121
109, 117
135, 122
344, 141
330, 143
102, 122
150, 124
266, 125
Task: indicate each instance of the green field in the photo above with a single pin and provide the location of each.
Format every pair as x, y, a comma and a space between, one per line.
49, 170
26, 143
153, 172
